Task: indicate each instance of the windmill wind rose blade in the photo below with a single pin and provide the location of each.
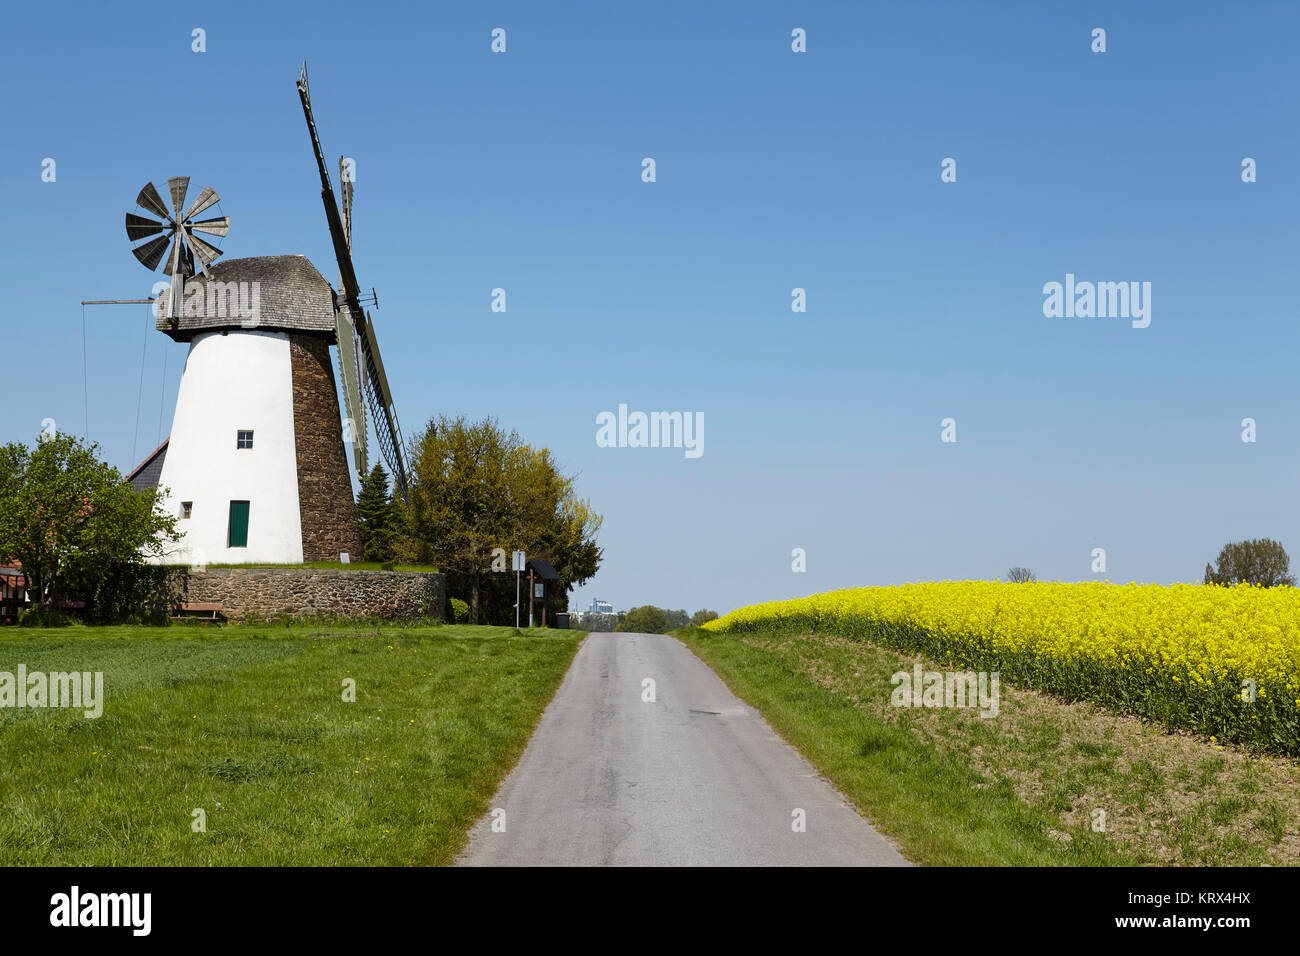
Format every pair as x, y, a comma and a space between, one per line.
206, 198
151, 253
202, 250
138, 227
150, 200
172, 255
212, 227
179, 186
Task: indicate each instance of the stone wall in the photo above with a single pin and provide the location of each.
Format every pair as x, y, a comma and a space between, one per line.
329, 516
303, 592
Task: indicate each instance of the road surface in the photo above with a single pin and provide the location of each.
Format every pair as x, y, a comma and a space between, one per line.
695, 777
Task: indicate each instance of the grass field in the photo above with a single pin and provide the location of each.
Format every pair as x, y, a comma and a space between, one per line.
957, 789
249, 724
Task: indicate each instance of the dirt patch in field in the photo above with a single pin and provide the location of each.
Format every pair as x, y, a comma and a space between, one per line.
1167, 797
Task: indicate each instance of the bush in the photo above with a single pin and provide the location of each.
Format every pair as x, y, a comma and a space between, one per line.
44, 616
125, 593
459, 611
1262, 562
646, 619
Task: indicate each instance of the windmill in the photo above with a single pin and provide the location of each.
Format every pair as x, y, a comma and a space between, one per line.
178, 230
256, 467
361, 367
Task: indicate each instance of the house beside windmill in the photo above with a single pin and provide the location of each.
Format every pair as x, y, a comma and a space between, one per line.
13, 593
255, 466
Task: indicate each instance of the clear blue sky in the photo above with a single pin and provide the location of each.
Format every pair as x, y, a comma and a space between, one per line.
775, 170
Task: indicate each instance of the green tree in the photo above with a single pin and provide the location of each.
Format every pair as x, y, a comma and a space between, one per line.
703, 616
678, 618
67, 516
475, 488
646, 619
570, 540
1259, 561
378, 515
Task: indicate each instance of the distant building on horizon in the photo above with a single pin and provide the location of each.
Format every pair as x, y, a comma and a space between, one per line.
600, 607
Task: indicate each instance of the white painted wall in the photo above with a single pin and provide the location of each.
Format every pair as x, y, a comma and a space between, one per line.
236, 381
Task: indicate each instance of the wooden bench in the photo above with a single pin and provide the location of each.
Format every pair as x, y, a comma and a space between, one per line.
195, 611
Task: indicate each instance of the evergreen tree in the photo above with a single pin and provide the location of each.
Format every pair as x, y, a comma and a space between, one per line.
377, 515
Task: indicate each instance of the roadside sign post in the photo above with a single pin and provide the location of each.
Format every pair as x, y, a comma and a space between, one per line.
517, 561
530, 599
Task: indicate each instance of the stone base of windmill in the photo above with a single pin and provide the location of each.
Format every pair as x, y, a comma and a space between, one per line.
270, 593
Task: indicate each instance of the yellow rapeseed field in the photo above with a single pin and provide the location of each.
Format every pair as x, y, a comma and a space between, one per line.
1217, 660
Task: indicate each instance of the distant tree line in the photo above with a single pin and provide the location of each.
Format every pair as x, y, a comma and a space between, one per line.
600, 622
649, 619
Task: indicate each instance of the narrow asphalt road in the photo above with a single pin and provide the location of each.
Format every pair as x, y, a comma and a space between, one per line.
695, 777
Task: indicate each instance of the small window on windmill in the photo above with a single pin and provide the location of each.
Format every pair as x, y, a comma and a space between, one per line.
187, 509
244, 440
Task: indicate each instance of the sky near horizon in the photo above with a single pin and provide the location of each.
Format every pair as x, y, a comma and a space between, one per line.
775, 170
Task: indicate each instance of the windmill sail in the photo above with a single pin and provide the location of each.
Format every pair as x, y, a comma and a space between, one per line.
350, 369
349, 373
387, 432
353, 325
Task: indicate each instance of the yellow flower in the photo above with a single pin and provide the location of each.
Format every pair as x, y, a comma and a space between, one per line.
1130, 641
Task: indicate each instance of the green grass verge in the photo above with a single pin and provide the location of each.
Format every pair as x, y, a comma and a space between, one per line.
249, 724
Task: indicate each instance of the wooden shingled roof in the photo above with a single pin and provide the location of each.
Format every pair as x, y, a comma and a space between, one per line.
292, 297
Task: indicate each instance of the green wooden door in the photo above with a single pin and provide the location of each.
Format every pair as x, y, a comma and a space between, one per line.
237, 536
